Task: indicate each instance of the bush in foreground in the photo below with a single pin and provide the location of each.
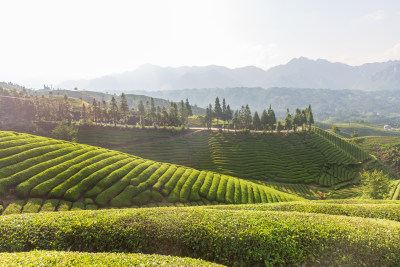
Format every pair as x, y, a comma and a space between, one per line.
251, 238
57, 258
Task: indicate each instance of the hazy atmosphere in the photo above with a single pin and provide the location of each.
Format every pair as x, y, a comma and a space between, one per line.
200, 133
48, 42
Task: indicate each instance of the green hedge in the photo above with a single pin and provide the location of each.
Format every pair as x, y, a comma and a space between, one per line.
240, 237
389, 211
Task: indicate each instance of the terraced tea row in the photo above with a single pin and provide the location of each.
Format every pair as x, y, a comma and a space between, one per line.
231, 237
83, 176
315, 156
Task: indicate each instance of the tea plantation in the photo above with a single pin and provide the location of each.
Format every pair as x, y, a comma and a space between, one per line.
42, 174
306, 157
69, 204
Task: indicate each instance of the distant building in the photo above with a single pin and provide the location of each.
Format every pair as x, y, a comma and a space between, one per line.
387, 127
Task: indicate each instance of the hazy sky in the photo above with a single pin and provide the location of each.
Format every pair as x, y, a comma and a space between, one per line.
51, 41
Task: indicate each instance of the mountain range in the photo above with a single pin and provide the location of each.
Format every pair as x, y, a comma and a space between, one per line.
298, 73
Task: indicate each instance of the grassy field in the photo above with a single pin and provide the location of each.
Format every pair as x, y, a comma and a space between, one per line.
42, 174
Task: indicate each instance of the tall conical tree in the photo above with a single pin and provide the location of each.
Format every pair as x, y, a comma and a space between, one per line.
124, 108
256, 121
188, 108
271, 118
114, 111
217, 109
141, 112
264, 120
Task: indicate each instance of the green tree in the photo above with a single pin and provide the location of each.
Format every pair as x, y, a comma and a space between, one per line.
114, 112
279, 127
173, 116
335, 129
271, 118
376, 185
217, 110
141, 112
65, 131
228, 115
209, 116
124, 108
183, 113
264, 120
256, 121
288, 120
188, 108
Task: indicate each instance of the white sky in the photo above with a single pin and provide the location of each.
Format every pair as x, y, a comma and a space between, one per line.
51, 41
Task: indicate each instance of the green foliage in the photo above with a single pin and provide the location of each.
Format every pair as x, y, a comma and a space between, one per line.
14, 207
50, 205
240, 237
33, 205
65, 131
376, 184
62, 258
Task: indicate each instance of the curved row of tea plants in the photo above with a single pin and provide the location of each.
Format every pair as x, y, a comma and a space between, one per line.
380, 210
303, 157
59, 258
240, 237
44, 169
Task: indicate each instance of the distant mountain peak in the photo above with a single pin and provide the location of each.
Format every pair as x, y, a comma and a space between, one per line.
300, 72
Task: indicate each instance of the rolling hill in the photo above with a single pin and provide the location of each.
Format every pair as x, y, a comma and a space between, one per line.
43, 174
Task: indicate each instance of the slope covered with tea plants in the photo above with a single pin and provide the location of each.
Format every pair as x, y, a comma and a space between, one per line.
43, 174
316, 156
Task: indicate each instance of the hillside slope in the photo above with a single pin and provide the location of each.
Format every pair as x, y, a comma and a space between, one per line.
43, 174
308, 157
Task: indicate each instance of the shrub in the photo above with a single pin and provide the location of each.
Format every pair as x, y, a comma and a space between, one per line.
112, 177
164, 178
48, 258
376, 184
187, 187
77, 206
224, 236
175, 193
205, 188
104, 197
33, 205
61, 189
50, 205
114, 163
65, 131
221, 191
212, 194
15, 207
172, 182
76, 165
194, 193
64, 205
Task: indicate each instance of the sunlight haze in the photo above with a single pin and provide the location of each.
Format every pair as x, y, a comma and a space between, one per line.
53, 41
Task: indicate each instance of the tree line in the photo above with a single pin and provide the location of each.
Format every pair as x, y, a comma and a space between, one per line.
245, 119
23, 106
